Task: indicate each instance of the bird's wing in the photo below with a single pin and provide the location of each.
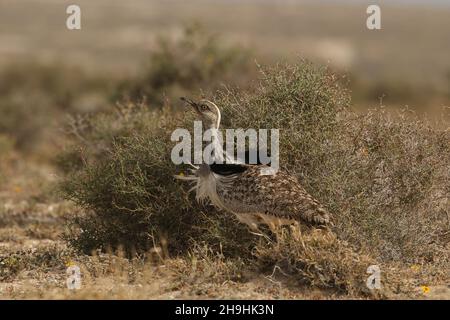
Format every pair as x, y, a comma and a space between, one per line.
280, 195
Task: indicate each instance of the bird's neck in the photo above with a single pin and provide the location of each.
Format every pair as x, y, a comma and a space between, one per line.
217, 141
218, 119
219, 153
217, 144
219, 116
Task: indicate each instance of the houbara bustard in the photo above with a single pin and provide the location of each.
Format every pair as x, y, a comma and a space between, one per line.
242, 190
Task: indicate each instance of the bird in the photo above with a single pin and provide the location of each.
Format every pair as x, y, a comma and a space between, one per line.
240, 189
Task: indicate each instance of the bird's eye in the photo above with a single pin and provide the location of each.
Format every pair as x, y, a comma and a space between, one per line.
204, 107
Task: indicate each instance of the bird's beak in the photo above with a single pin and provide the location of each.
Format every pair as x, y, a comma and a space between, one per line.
190, 102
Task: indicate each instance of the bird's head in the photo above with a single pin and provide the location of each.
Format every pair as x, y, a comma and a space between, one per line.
207, 112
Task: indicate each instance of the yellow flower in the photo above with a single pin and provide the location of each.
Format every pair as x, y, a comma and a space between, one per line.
17, 189
70, 264
181, 174
415, 267
425, 289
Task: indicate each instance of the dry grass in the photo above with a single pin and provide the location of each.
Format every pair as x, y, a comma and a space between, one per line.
317, 265
316, 259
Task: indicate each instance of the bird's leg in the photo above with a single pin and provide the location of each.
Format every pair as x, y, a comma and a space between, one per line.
258, 232
272, 223
252, 224
296, 230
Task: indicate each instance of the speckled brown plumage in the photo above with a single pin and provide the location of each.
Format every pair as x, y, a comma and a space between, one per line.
278, 196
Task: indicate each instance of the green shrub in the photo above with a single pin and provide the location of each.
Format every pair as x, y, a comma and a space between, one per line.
389, 185
304, 101
128, 188
383, 176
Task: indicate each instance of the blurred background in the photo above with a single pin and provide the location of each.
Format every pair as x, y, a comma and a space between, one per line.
408, 60
160, 49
